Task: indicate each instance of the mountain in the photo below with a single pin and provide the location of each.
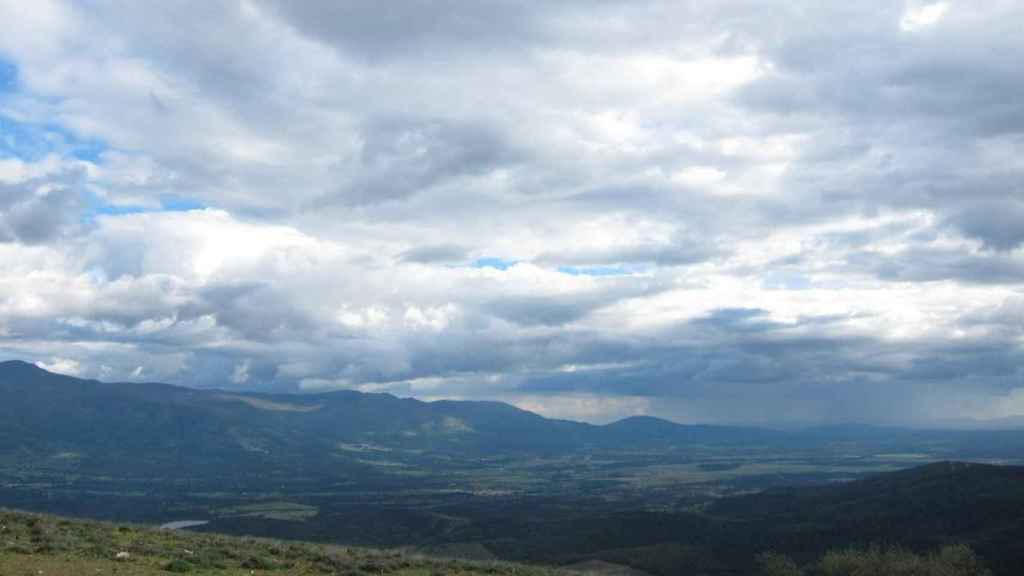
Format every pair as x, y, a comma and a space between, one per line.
147, 428
650, 431
154, 425
1005, 423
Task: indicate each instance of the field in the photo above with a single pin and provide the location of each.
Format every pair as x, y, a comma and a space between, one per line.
618, 507
392, 482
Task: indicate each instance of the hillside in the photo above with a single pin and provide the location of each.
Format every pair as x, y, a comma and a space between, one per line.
156, 427
923, 508
58, 413
38, 544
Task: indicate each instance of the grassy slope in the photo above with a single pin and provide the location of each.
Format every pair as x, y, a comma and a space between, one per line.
32, 544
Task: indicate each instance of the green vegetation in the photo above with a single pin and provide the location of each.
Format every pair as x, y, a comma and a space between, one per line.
272, 511
32, 544
486, 480
956, 560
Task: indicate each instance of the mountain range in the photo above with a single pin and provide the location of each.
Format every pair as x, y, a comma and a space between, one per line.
44, 410
489, 480
149, 425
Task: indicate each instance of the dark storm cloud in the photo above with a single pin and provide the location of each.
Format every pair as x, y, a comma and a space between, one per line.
735, 366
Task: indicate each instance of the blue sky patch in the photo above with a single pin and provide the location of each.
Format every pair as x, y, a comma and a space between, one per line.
8, 76
596, 270
89, 150
98, 207
29, 141
21, 141
498, 263
179, 204
32, 142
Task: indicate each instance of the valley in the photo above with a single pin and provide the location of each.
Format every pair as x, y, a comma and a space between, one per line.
486, 480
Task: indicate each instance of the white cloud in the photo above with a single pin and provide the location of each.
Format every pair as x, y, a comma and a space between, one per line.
62, 366
241, 373
587, 407
677, 195
920, 16
699, 175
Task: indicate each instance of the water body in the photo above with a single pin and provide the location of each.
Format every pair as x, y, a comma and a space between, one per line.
183, 524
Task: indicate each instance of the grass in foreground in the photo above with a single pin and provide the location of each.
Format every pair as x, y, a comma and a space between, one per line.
40, 545
954, 560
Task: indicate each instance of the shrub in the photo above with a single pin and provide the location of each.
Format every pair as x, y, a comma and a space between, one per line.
257, 563
956, 560
371, 567
773, 564
15, 548
178, 566
961, 560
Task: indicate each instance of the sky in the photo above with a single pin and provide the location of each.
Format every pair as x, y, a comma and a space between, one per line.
723, 212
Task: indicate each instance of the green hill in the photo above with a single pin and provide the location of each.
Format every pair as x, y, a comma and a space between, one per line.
38, 544
922, 508
34, 544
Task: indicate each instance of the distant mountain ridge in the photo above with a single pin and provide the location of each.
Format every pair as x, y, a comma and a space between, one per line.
146, 427
68, 414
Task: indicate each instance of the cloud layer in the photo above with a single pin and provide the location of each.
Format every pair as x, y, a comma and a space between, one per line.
717, 212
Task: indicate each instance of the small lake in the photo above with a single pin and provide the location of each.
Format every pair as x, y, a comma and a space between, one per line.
182, 524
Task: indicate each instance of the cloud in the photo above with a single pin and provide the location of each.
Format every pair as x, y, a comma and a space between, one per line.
998, 223
708, 211
923, 16
433, 253
39, 201
419, 27
241, 373
61, 366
